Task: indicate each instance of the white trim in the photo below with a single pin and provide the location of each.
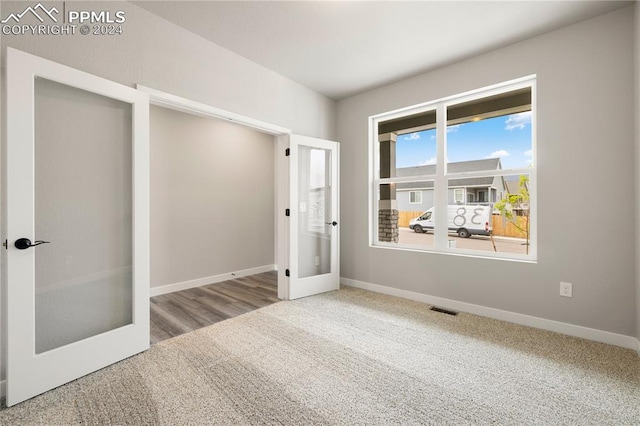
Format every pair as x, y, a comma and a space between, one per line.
455, 99
184, 285
477, 254
374, 173
3, 388
159, 98
513, 317
282, 221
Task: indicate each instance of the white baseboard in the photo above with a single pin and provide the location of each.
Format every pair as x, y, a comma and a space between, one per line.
531, 321
170, 288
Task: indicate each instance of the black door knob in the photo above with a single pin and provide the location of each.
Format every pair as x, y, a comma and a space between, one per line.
334, 223
25, 243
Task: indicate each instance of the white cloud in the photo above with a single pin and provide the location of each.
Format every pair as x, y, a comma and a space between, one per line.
412, 137
497, 154
518, 121
430, 161
453, 128
528, 153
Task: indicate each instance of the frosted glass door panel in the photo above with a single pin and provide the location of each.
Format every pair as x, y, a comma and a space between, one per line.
83, 207
314, 224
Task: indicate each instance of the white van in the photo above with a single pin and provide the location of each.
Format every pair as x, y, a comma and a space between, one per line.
462, 220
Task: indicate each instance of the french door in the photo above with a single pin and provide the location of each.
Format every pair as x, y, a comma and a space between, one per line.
77, 224
314, 223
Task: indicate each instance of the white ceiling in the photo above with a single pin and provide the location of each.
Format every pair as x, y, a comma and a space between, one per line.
340, 48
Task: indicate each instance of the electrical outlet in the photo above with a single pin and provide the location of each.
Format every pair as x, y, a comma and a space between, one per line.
317, 260
566, 289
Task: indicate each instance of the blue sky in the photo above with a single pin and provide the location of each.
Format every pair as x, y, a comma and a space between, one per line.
507, 137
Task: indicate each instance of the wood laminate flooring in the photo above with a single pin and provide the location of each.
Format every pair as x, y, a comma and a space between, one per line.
176, 313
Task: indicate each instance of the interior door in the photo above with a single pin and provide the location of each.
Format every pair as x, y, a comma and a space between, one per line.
314, 225
77, 224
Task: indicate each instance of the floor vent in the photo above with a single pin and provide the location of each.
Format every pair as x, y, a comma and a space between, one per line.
444, 311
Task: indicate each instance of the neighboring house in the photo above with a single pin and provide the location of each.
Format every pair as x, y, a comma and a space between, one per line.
513, 188
418, 196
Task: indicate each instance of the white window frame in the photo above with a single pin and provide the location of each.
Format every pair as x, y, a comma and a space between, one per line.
461, 192
441, 178
417, 193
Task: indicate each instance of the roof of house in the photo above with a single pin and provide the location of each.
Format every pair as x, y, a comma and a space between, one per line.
512, 186
457, 167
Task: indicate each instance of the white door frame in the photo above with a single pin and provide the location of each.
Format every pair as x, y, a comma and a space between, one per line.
281, 136
318, 282
87, 355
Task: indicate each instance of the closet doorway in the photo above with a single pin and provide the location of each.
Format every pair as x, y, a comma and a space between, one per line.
212, 221
304, 190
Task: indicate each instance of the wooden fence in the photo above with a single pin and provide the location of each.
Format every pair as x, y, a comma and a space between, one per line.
507, 228
501, 227
405, 217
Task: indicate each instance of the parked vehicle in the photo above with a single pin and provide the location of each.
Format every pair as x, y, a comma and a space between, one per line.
462, 220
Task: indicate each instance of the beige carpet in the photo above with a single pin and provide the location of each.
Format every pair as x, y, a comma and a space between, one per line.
354, 357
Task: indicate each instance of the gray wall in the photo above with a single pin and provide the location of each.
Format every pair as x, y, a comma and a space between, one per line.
585, 138
212, 197
158, 54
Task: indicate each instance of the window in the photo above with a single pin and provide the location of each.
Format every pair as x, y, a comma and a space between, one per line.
426, 216
314, 189
468, 160
458, 196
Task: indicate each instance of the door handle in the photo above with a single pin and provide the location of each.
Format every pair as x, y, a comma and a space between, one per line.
25, 243
334, 223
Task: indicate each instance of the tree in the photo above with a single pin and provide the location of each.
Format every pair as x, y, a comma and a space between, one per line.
511, 204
